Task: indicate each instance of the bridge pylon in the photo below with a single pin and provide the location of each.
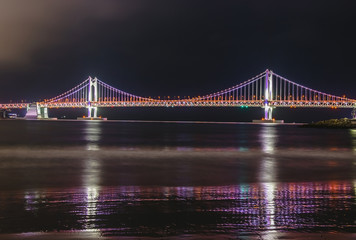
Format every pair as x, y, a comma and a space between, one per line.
268, 95
268, 98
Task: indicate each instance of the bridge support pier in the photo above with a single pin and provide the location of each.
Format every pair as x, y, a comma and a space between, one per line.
3, 113
353, 114
42, 112
92, 112
45, 112
268, 113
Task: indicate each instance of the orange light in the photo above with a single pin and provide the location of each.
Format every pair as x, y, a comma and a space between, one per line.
83, 116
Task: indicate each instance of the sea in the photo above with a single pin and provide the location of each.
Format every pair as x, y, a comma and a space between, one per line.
175, 180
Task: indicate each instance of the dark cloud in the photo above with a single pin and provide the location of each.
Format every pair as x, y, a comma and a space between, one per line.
38, 25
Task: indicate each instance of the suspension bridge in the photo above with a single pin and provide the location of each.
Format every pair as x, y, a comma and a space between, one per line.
267, 90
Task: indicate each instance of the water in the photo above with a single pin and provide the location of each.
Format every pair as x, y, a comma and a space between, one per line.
160, 179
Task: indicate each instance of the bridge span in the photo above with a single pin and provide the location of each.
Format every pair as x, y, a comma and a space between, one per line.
267, 90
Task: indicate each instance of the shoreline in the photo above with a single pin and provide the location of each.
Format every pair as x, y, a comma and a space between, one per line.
342, 123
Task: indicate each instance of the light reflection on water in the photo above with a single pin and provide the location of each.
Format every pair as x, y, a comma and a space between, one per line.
268, 137
268, 166
126, 182
92, 135
32, 199
228, 209
91, 175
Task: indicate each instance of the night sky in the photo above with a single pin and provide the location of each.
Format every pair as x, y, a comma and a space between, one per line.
174, 47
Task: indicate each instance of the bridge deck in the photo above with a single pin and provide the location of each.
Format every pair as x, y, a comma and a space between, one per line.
202, 103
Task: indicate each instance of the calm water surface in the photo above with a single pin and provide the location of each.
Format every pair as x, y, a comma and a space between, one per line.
175, 179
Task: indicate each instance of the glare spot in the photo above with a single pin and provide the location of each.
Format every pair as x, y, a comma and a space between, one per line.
92, 135
268, 139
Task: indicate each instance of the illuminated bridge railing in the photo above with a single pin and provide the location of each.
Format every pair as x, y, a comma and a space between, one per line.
14, 105
158, 103
202, 103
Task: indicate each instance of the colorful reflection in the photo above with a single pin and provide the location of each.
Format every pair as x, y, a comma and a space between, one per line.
133, 210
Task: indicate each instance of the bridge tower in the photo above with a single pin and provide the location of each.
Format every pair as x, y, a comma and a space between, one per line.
92, 97
268, 95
